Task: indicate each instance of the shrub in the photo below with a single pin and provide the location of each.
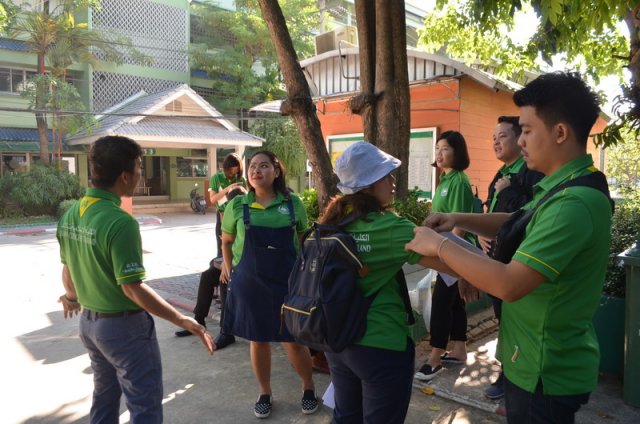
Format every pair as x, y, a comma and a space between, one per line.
625, 228
414, 209
39, 191
310, 200
64, 206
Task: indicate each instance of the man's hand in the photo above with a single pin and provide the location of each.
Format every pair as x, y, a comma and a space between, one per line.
485, 244
199, 330
70, 307
501, 184
425, 242
468, 292
440, 222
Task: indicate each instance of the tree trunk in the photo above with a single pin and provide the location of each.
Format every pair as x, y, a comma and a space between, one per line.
299, 103
632, 21
41, 117
384, 101
365, 103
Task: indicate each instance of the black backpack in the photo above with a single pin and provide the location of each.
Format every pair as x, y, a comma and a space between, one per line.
512, 232
325, 308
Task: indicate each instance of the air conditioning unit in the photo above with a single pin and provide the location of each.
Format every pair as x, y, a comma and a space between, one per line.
343, 36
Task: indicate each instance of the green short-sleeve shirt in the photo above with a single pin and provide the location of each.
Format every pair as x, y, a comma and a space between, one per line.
549, 333
218, 181
507, 171
454, 194
381, 239
275, 215
101, 245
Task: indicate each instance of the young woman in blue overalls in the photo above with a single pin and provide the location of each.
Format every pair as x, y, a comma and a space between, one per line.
259, 242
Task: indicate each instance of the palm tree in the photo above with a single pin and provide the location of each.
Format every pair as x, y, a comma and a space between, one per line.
58, 41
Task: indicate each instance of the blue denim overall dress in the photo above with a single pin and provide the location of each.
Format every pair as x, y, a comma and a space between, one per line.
259, 282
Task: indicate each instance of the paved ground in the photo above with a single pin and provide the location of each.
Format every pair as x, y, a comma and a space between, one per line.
46, 376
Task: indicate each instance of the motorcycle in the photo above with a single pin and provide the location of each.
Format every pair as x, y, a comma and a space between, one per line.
198, 204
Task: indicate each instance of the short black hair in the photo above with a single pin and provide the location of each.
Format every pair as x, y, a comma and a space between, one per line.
514, 121
231, 161
238, 191
109, 157
562, 97
459, 145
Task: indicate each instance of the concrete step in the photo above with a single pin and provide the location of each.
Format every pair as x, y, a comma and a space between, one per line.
158, 208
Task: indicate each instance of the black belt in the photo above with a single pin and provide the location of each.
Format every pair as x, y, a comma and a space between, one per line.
95, 315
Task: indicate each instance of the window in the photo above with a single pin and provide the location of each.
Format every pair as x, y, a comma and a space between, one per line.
13, 80
191, 167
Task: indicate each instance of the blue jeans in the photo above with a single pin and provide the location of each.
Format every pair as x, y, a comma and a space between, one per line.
125, 358
372, 385
537, 408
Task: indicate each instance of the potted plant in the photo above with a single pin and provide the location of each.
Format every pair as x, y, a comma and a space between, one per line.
609, 318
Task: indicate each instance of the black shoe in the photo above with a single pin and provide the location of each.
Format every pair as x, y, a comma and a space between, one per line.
184, 333
224, 340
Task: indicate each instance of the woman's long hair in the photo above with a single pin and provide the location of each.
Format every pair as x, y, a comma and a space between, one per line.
356, 206
279, 184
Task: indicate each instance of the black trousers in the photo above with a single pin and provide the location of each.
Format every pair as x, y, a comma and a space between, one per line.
448, 315
537, 408
209, 280
219, 234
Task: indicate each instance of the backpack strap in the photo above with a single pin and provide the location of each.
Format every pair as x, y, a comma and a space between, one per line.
292, 212
404, 292
596, 180
245, 215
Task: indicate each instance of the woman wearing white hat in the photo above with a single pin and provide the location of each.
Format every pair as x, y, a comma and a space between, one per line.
372, 378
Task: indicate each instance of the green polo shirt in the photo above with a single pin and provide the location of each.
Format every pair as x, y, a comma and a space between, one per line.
454, 194
507, 171
549, 333
218, 181
101, 245
276, 215
381, 239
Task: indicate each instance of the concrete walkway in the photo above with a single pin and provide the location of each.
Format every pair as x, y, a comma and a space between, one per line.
47, 375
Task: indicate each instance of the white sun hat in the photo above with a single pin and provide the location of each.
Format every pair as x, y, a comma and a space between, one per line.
361, 165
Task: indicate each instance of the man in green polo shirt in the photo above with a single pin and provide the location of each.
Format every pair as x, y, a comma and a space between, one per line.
552, 286
101, 250
510, 189
220, 184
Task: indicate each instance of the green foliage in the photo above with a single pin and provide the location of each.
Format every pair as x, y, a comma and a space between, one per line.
60, 96
64, 206
236, 50
625, 229
584, 33
310, 200
413, 208
39, 191
8, 12
282, 138
623, 168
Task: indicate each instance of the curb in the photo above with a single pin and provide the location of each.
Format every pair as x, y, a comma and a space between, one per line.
26, 230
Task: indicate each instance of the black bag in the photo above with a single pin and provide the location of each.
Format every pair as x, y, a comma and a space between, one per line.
325, 308
512, 232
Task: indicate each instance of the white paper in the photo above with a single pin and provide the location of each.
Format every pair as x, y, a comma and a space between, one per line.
450, 280
329, 397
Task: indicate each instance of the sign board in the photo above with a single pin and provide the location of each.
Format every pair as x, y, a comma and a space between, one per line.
421, 156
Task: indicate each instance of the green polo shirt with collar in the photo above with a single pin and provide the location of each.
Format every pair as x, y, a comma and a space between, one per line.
454, 194
101, 245
548, 334
380, 239
218, 181
276, 215
507, 171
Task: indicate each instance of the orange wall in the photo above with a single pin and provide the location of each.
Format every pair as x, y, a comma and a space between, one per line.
462, 105
479, 112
